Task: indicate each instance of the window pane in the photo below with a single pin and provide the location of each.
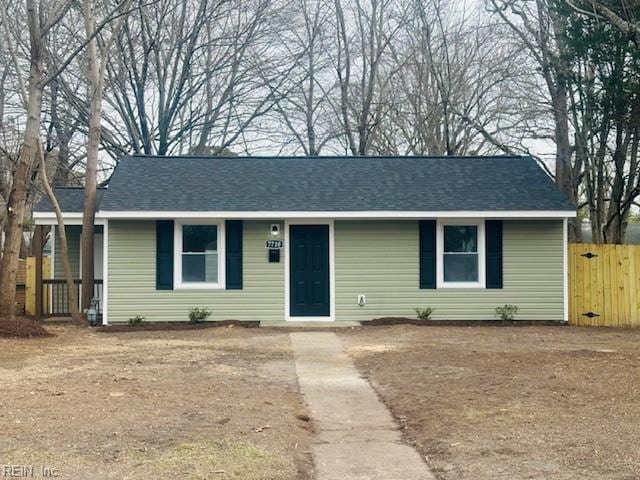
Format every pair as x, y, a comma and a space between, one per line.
200, 267
461, 267
193, 268
211, 268
460, 238
199, 238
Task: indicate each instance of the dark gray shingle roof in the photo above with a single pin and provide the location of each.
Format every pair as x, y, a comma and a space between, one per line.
69, 198
147, 183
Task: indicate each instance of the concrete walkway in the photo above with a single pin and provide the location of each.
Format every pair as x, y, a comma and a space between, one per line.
357, 436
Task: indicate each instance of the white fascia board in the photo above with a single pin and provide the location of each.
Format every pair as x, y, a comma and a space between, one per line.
382, 215
49, 218
66, 215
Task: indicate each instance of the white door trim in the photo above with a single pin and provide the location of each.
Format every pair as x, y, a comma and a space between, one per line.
332, 277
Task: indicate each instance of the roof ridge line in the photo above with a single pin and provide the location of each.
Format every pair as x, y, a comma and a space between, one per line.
76, 188
321, 157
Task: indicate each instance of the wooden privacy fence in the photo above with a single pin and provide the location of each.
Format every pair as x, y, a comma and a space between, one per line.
604, 285
30, 277
21, 286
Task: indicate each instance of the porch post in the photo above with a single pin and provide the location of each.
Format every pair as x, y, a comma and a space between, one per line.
38, 244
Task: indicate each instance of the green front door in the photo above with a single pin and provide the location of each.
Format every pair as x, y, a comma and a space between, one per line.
309, 270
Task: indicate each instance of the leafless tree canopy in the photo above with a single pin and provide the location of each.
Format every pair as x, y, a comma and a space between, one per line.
554, 78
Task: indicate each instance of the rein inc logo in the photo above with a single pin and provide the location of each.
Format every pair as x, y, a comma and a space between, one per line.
28, 471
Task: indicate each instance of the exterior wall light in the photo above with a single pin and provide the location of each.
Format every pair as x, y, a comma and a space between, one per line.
92, 312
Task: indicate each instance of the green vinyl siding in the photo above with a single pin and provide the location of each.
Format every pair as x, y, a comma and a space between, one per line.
73, 245
132, 284
379, 259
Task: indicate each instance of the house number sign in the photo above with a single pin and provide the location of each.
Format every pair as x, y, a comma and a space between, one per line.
273, 244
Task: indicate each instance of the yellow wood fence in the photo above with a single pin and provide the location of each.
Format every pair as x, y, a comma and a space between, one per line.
30, 274
604, 285
21, 286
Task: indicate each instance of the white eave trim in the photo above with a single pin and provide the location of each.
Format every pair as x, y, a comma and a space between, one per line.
49, 218
380, 214
75, 218
565, 270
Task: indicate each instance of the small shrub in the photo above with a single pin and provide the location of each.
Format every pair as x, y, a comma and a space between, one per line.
506, 313
137, 320
424, 313
197, 315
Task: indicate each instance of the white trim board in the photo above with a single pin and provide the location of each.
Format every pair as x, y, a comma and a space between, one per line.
48, 218
178, 284
52, 269
105, 273
66, 215
302, 215
53, 251
332, 271
481, 283
565, 269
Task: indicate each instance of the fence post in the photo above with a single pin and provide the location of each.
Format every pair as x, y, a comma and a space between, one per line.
38, 240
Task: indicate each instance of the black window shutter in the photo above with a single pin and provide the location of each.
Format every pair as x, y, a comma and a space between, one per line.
493, 233
164, 254
234, 254
427, 254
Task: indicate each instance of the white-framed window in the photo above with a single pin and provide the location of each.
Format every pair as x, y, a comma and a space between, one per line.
461, 254
199, 254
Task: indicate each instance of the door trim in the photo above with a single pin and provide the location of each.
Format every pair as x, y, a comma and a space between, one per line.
287, 273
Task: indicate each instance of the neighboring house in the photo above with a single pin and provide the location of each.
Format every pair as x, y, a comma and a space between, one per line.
326, 238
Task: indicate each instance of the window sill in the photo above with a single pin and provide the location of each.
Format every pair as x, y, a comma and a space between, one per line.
475, 285
199, 286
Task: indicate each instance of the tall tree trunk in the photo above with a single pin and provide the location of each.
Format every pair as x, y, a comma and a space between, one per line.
91, 174
16, 203
564, 176
95, 73
62, 234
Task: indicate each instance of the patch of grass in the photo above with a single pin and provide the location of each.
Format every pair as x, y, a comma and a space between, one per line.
228, 460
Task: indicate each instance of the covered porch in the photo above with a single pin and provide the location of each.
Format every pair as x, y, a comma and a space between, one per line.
51, 289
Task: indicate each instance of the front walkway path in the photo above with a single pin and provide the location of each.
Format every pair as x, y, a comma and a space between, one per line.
357, 436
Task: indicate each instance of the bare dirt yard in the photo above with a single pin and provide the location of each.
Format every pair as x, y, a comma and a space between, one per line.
492, 403
202, 404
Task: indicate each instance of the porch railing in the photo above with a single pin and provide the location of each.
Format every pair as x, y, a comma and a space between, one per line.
55, 296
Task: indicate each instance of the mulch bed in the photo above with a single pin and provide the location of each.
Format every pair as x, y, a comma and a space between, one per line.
383, 321
22, 327
161, 326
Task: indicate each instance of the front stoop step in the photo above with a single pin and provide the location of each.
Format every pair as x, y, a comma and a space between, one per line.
309, 325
